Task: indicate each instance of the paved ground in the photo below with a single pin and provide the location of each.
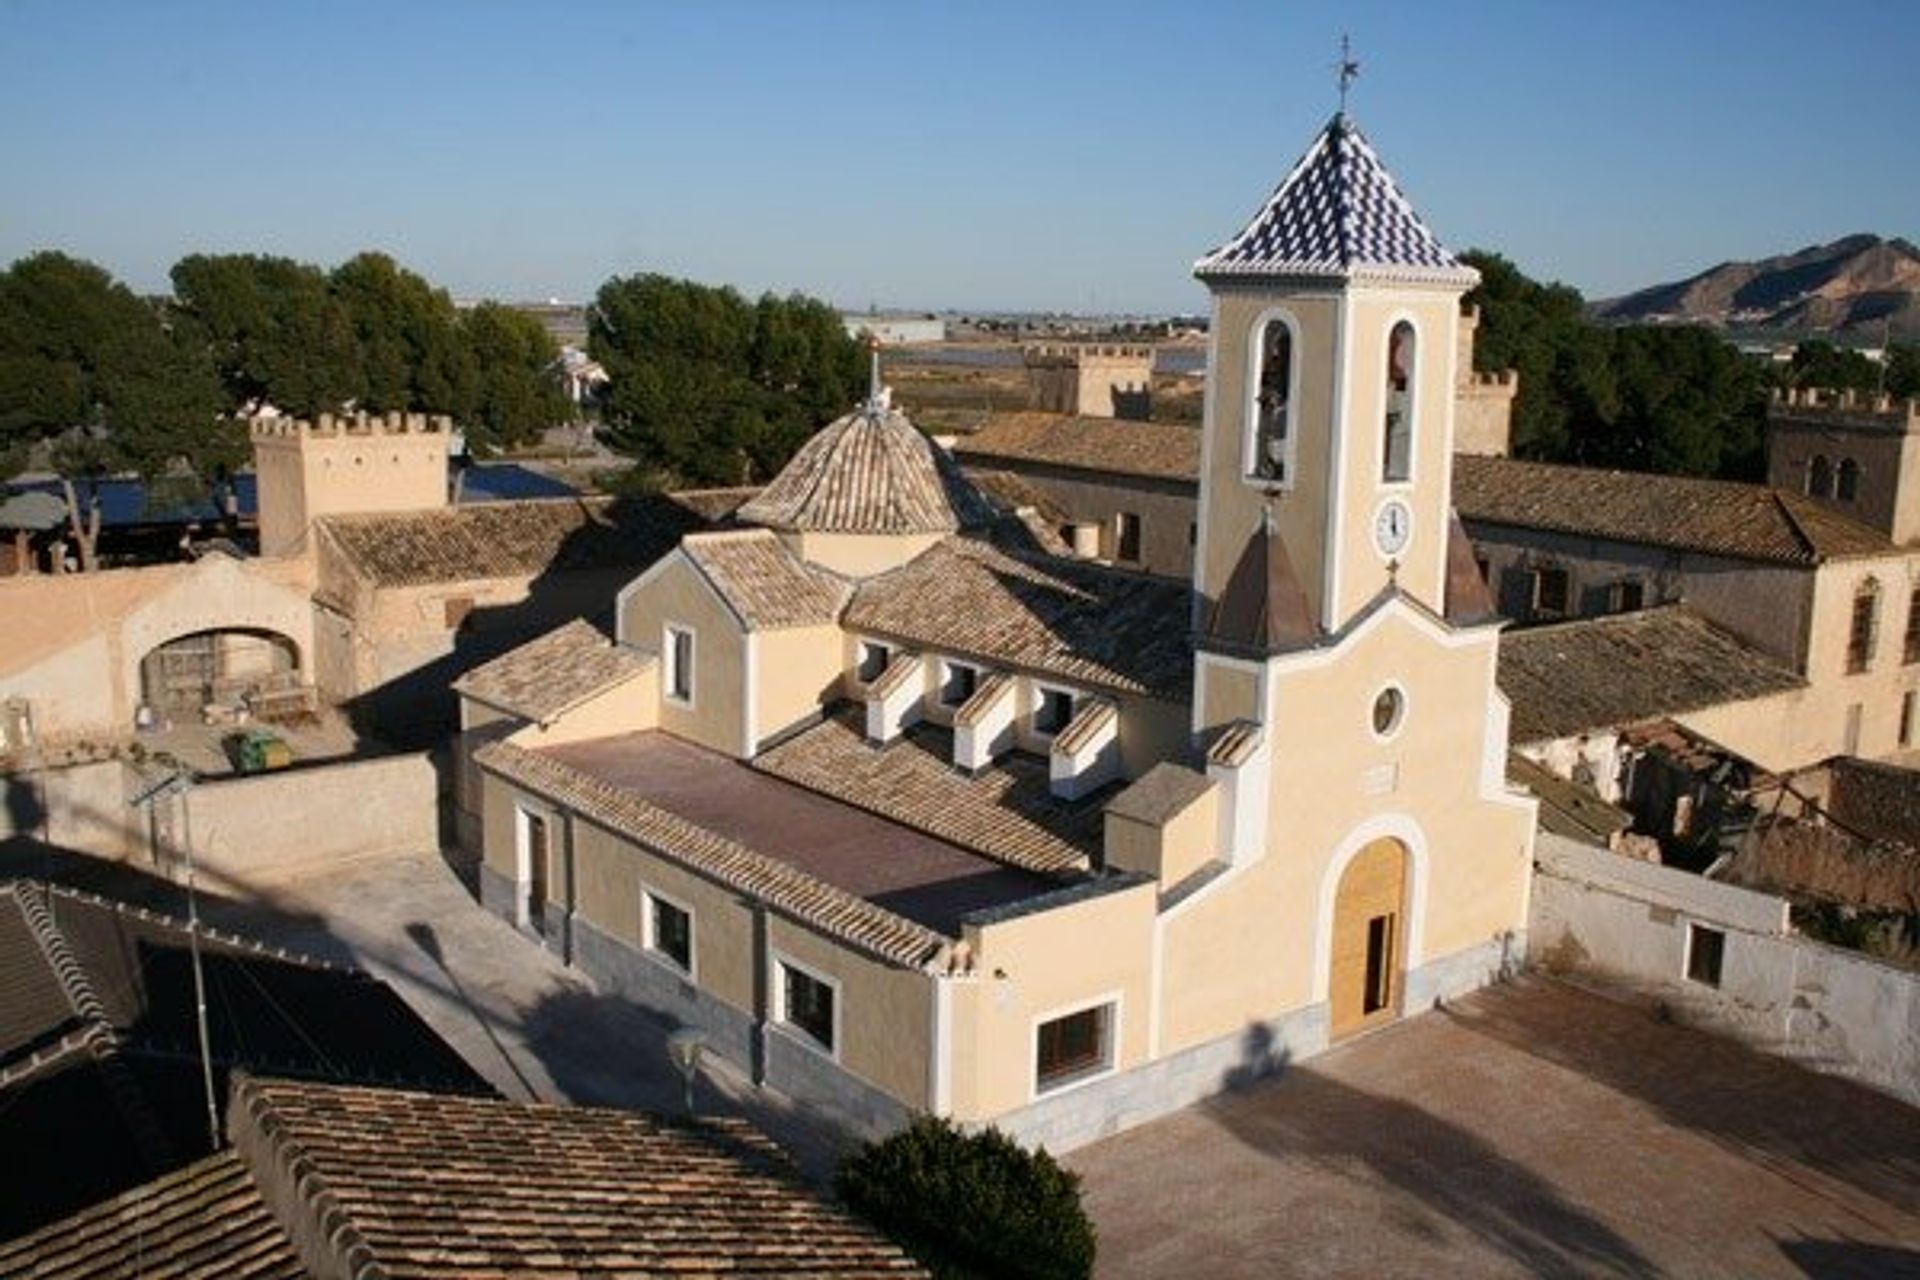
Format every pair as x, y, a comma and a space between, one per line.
1531, 1130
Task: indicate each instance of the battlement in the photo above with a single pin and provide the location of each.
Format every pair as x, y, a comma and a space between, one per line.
356, 424
1505, 381
1846, 409
1073, 354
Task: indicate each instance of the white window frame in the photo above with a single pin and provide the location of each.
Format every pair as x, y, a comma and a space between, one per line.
860, 646
800, 1035
1113, 1000
670, 662
1040, 692
649, 942
1686, 961
1250, 434
1413, 403
524, 814
947, 668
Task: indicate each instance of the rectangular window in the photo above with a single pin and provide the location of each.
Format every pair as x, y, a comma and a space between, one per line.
669, 931
1705, 949
806, 1004
1193, 533
1379, 975
1906, 717
1551, 591
679, 655
1855, 713
1052, 710
1126, 537
1912, 648
1073, 1047
1627, 596
958, 684
873, 661
1860, 633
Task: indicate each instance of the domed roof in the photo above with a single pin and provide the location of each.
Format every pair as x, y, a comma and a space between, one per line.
869, 472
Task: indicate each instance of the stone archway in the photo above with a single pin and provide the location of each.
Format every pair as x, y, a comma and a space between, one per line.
1367, 965
182, 677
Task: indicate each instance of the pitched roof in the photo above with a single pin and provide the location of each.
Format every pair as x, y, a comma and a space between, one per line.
764, 583
869, 472
507, 539
626, 811
1607, 673
1719, 517
1081, 622
560, 670
1156, 450
204, 1220
1006, 811
395, 1183
1263, 609
1338, 213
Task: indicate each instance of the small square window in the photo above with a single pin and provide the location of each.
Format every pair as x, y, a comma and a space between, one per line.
670, 932
1126, 537
958, 685
679, 647
1551, 591
873, 661
1627, 596
1053, 711
1073, 1047
806, 1004
1705, 949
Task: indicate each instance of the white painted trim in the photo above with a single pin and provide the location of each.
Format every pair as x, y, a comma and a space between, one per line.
940, 1085
1397, 826
1209, 424
670, 663
1037, 690
1117, 1000
1250, 394
1331, 530
524, 812
779, 1009
1416, 382
1307, 659
749, 696
626, 593
942, 673
860, 640
649, 944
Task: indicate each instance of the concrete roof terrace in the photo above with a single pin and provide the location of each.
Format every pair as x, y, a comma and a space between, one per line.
901, 870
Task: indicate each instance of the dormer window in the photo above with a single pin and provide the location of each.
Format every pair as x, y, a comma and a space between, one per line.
1396, 450
957, 683
1052, 710
874, 658
1271, 446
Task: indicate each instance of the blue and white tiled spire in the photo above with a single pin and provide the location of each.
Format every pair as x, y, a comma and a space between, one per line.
1338, 215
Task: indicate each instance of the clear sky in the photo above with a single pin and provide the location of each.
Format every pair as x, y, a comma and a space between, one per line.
969, 154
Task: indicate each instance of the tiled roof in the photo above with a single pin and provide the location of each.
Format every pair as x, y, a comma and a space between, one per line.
869, 472
507, 539
1263, 609
204, 1220
1161, 793
1337, 213
544, 677
997, 685
1719, 517
1090, 718
1006, 811
766, 585
1157, 450
1080, 622
1015, 492
1568, 809
403, 1184
621, 809
1606, 673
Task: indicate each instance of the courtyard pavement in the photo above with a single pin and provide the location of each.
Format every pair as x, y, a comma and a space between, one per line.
1529, 1130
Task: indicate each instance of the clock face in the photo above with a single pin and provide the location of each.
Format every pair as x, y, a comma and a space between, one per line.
1392, 526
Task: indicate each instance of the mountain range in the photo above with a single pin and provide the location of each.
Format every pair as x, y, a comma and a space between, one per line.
1848, 289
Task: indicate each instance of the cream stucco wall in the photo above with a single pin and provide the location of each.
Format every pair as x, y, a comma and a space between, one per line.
303, 472
796, 672
859, 555
884, 1013
627, 707
675, 593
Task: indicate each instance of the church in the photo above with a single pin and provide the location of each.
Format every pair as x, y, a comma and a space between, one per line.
904, 812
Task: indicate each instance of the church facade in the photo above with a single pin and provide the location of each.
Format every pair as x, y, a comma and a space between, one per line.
907, 814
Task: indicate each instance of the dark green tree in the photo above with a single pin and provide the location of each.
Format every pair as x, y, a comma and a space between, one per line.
1818, 363
273, 328
972, 1205
1903, 370
412, 353
516, 383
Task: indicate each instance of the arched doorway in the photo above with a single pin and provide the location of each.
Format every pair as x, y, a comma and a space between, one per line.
186, 675
1369, 941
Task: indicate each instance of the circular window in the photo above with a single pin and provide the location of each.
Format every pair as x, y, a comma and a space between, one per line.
1388, 710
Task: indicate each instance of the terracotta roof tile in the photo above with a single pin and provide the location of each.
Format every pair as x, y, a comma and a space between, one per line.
1158, 450
1080, 622
1606, 673
545, 677
1090, 718
204, 1220
765, 584
428, 1186
1161, 793
1719, 517
621, 809
869, 472
1006, 811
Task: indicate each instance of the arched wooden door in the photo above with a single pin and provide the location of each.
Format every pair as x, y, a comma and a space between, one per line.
1369, 939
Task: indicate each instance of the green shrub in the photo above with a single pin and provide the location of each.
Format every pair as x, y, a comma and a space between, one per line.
972, 1205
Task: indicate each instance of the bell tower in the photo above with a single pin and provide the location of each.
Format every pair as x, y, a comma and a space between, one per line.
1329, 410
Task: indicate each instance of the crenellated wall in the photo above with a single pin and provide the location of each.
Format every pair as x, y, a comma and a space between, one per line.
333, 465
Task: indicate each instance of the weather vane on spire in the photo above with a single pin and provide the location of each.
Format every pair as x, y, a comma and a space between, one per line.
1347, 69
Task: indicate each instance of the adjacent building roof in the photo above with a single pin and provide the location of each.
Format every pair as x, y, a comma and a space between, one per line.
1567, 808
869, 472
1337, 214
764, 583
544, 678
1083, 623
1718, 517
595, 782
1155, 450
393, 1183
1262, 610
1006, 811
1606, 673
508, 539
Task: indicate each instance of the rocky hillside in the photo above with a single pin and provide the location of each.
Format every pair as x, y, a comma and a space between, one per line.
1847, 288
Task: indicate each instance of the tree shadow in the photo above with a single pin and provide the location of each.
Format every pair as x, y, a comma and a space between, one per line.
1747, 1101
1446, 1170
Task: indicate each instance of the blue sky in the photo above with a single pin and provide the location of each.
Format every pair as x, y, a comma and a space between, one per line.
971, 155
